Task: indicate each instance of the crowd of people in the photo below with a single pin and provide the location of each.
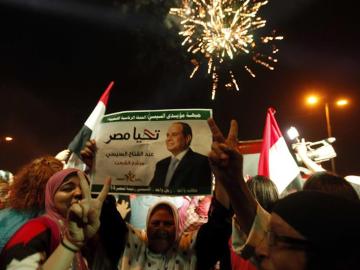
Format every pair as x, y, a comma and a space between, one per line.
50, 220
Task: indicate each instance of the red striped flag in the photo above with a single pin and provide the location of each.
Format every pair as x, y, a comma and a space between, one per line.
276, 161
87, 131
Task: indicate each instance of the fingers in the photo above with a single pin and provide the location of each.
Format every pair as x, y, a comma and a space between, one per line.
216, 133
85, 190
86, 153
89, 150
219, 137
85, 211
124, 203
221, 154
76, 214
123, 206
105, 190
91, 144
215, 159
218, 156
75, 235
218, 149
233, 134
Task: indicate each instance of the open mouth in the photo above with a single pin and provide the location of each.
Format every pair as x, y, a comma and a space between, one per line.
161, 236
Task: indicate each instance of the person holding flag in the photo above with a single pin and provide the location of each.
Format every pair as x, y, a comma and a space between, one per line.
87, 131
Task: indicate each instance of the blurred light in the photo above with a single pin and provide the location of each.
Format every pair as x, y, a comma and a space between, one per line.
312, 100
292, 133
342, 102
8, 139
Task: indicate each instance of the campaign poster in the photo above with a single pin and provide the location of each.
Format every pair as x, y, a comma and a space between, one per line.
154, 152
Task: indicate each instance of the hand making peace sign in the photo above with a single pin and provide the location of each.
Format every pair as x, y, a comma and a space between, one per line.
224, 157
84, 216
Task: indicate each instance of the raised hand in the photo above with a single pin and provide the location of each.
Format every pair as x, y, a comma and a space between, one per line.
123, 208
84, 216
226, 162
219, 137
301, 149
224, 157
88, 153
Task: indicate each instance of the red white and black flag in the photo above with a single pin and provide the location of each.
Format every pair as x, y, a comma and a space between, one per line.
87, 131
276, 161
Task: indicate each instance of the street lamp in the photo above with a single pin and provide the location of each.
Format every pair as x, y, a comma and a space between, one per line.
6, 139
313, 100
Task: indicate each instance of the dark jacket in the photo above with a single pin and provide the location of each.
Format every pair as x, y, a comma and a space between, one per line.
193, 172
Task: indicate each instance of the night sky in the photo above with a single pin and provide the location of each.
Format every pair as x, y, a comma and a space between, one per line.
57, 57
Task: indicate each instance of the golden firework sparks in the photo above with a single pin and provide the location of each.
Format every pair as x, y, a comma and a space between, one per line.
220, 30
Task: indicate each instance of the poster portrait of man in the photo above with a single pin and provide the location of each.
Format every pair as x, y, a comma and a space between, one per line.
184, 168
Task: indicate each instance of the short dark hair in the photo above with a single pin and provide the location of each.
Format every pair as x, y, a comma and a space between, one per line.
186, 129
331, 183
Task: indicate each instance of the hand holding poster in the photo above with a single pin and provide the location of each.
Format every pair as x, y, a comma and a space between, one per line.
154, 152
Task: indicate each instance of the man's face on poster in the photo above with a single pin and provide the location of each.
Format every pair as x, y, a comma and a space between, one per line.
176, 141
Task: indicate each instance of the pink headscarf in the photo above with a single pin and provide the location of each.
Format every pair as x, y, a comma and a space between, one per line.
52, 186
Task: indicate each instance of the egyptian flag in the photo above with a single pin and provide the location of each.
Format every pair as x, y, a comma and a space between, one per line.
276, 161
87, 131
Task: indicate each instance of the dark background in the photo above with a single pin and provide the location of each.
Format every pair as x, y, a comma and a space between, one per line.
57, 57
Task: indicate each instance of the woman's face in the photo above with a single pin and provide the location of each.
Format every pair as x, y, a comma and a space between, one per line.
161, 230
68, 193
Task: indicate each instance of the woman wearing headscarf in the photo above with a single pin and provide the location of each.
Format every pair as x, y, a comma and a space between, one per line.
164, 246
153, 247
55, 239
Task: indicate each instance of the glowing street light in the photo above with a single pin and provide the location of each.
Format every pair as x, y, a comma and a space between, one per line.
342, 102
312, 100
6, 139
9, 139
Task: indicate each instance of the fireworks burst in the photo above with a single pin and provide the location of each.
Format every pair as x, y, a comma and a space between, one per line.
222, 30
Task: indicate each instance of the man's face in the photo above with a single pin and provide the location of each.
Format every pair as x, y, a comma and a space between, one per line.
276, 254
176, 142
161, 230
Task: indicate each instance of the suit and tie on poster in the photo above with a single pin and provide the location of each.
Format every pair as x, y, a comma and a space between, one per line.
154, 152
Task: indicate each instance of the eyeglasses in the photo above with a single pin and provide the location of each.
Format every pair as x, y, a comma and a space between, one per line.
296, 243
